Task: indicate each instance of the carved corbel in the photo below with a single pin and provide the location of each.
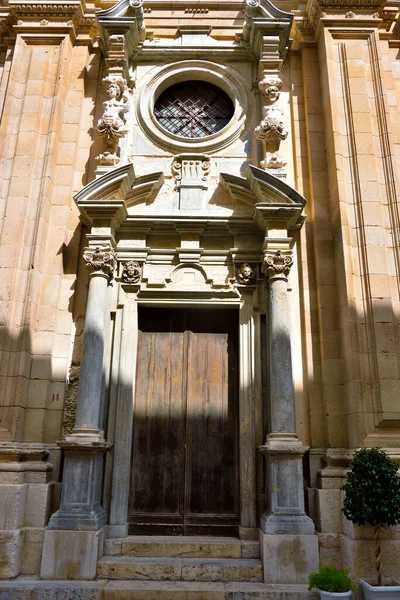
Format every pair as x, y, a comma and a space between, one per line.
111, 125
101, 260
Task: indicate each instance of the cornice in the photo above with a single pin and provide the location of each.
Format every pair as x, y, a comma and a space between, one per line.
348, 15
49, 22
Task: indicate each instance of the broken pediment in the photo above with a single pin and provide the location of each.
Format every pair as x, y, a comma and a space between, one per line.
272, 199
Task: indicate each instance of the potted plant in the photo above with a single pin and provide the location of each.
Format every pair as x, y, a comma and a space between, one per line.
372, 497
331, 582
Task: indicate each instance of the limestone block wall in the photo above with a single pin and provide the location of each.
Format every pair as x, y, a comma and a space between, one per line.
347, 119
47, 89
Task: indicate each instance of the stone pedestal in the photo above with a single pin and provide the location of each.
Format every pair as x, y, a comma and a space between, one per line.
288, 558
285, 494
80, 507
71, 554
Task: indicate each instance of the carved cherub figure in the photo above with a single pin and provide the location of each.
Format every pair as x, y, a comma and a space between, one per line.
111, 125
270, 88
246, 274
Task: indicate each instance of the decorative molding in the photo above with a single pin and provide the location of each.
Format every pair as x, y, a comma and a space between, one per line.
246, 274
191, 167
101, 259
277, 264
122, 28
69, 17
267, 30
273, 161
131, 272
111, 126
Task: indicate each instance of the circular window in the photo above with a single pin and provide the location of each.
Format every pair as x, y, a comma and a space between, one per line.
193, 105
193, 109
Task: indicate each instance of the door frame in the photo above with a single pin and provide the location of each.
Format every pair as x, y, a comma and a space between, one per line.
123, 373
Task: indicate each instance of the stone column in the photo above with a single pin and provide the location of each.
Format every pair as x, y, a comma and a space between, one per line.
80, 509
290, 550
88, 422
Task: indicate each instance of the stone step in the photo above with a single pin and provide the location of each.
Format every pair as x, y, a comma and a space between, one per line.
25, 589
182, 547
179, 569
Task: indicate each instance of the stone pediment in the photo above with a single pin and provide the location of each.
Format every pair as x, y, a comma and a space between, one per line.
107, 198
271, 198
119, 194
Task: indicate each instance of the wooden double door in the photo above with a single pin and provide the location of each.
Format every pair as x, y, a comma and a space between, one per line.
184, 477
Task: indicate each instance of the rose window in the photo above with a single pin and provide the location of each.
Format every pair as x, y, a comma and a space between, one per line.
193, 109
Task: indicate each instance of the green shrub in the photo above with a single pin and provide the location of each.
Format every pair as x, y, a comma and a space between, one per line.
330, 579
372, 495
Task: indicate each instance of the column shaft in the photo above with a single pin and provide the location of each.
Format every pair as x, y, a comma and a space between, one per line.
280, 361
91, 376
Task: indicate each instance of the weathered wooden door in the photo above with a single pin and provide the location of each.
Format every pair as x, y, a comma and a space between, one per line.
185, 449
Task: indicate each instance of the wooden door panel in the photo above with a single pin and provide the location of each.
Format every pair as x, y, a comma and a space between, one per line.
211, 426
159, 421
184, 454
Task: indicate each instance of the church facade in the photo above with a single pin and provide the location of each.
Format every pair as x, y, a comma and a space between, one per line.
199, 288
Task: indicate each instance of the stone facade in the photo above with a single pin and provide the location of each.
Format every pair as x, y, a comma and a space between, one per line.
288, 215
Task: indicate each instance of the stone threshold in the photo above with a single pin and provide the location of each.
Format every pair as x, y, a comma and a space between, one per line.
23, 588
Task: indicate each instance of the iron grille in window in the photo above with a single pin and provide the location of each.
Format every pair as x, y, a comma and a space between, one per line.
193, 109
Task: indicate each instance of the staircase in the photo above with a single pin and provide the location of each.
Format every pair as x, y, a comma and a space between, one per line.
167, 568
190, 559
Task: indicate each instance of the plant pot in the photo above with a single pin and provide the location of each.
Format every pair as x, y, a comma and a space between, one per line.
326, 595
389, 591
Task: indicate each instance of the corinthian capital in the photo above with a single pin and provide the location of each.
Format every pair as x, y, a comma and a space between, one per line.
101, 259
277, 263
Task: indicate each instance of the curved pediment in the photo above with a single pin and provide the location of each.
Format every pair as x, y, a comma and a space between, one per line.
272, 199
259, 196
107, 198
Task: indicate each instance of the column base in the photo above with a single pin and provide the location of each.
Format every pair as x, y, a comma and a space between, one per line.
80, 507
287, 524
288, 558
91, 520
71, 554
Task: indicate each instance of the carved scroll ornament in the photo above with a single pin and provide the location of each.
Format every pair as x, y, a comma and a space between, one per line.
101, 260
191, 167
277, 263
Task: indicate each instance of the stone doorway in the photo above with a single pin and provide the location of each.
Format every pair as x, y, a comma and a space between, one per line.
185, 475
